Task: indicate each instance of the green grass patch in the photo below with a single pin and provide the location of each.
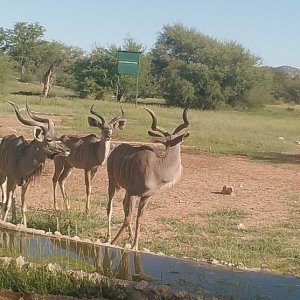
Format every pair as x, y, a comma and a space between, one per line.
271, 247
39, 280
227, 213
68, 223
255, 134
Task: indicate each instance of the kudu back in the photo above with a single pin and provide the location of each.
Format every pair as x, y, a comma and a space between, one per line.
87, 153
142, 172
21, 160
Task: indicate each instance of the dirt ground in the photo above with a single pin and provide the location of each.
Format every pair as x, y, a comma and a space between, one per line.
262, 190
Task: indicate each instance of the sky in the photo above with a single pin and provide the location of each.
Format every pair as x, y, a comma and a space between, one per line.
267, 28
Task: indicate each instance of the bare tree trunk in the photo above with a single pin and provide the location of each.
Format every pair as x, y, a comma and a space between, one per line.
48, 80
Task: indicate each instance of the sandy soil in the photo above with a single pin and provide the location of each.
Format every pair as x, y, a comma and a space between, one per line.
263, 190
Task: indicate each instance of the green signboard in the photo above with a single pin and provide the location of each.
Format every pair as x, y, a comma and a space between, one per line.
128, 62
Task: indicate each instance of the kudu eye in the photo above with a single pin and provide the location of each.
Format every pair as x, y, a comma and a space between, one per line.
48, 140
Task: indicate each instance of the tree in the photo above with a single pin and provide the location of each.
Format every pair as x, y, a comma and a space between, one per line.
148, 85
90, 77
196, 69
33, 55
3, 40
22, 43
97, 72
293, 90
6, 70
285, 87
60, 55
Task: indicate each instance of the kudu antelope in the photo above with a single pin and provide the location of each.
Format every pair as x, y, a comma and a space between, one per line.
142, 172
21, 160
87, 153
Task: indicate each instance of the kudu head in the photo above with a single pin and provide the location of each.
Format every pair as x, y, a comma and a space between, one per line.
160, 135
43, 135
118, 122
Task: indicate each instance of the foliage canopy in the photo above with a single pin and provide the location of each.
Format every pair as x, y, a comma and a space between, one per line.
183, 67
196, 69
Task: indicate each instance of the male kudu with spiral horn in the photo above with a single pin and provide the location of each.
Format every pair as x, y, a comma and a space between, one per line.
22, 160
142, 172
87, 153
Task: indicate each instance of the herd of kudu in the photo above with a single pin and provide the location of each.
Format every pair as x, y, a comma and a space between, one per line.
140, 170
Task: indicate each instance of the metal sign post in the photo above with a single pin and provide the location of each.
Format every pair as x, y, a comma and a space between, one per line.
129, 64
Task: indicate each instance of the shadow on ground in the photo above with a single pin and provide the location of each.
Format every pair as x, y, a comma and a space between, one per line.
278, 158
26, 93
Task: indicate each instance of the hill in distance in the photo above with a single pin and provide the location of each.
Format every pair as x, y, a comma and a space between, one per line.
289, 71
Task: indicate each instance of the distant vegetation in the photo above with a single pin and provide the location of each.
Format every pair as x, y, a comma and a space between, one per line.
183, 67
261, 134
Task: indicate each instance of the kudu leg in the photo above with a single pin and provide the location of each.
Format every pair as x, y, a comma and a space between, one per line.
142, 206
62, 181
10, 188
3, 182
88, 188
7, 205
93, 172
129, 226
112, 189
24, 205
111, 193
59, 166
129, 204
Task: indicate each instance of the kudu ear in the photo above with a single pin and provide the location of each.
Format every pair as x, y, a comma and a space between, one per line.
94, 123
120, 124
38, 134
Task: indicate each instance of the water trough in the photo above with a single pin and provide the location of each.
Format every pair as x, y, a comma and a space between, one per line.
199, 278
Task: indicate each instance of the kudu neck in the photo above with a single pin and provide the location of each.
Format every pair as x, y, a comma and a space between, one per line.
169, 165
34, 154
171, 157
103, 149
